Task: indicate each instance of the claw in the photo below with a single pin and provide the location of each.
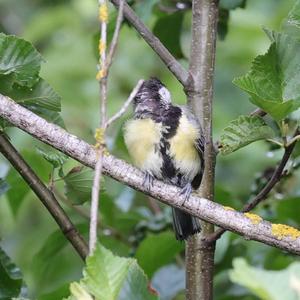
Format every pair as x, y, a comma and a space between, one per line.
148, 181
186, 192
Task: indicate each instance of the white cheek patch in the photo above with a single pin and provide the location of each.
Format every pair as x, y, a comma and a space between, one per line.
165, 95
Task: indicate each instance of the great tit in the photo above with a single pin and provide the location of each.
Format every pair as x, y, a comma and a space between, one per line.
166, 142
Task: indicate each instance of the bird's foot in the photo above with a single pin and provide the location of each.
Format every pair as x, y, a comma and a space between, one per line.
186, 192
148, 181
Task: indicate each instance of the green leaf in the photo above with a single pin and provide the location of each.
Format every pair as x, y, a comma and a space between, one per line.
59, 293
10, 278
286, 211
78, 184
105, 273
79, 292
291, 25
170, 24
109, 277
136, 285
55, 158
20, 189
41, 95
4, 186
243, 131
19, 79
267, 285
18, 192
20, 58
157, 250
274, 81
52, 246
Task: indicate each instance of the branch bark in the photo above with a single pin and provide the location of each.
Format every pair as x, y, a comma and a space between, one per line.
169, 60
45, 195
199, 254
287, 239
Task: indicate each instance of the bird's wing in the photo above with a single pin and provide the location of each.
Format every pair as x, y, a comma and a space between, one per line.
200, 144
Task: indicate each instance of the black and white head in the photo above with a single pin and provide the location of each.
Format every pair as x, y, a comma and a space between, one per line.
152, 95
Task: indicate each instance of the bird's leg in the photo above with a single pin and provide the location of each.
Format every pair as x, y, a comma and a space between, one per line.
148, 181
186, 192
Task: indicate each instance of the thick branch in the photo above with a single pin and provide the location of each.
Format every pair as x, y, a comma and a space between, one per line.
123, 172
263, 194
200, 255
45, 195
169, 60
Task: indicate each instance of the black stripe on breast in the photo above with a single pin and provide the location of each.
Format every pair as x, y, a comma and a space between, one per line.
170, 121
171, 117
168, 169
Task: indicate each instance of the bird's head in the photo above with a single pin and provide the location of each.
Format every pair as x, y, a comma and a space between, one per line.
152, 97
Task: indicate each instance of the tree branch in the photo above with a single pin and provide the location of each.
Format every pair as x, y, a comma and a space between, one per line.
263, 194
287, 239
45, 195
199, 254
169, 60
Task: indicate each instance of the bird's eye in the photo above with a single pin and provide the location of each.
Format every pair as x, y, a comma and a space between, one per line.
165, 95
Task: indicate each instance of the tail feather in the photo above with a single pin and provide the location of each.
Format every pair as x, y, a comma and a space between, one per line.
184, 224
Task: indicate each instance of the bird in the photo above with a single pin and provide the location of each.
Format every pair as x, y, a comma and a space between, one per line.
166, 142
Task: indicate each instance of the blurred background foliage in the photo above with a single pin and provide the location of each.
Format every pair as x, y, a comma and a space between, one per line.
65, 32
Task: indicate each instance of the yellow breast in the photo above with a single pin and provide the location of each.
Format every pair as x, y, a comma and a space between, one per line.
142, 137
182, 147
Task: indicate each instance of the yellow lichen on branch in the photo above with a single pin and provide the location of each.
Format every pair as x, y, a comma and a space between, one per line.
101, 47
228, 208
103, 13
100, 140
99, 137
281, 230
101, 73
255, 219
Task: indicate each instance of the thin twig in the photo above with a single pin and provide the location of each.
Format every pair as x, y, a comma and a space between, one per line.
102, 75
126, 104
100, 132
114, 41
169, 60
262, 195
45, 195
293, 140
199, 207
95, 202
276, 142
